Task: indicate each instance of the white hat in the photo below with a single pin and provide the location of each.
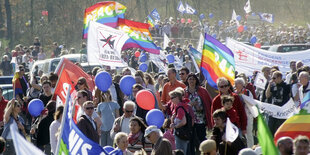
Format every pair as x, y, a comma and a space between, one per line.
150, 129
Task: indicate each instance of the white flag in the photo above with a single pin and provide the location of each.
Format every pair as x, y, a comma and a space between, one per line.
247, 7
22, 146
160, 61
181, 7
166, 41
232, 132
268, 17
234, 17
104, 45
200, 43
190, 10
260, 81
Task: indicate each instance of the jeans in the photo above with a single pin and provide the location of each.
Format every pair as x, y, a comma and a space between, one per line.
105, 139
181, 144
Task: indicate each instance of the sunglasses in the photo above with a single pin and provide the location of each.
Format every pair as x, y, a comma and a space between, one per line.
129, 111
224, 86
182, 74
80, 83
79, 97
89, 108
273, 78
21, 70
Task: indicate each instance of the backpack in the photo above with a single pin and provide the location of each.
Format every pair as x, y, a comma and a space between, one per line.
185, 132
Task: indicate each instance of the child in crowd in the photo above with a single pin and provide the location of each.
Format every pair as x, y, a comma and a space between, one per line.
227, 103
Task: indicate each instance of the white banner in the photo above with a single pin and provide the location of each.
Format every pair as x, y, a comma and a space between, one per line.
104, 45
160, 61
284, 112
249, 58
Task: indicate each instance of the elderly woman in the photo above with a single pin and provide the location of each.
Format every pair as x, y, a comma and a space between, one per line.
179, 116
11, 116
200, 102
241, 90
136, 136
122, 143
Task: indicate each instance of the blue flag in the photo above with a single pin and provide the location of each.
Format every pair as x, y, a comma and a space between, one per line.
155, 14
181, 7
190, 10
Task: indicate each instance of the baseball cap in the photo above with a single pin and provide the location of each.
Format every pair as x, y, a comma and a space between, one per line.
150, 129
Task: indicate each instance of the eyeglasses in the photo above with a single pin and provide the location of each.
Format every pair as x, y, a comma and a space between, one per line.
79, 97
273, 78
22, 70
129, 111
182, 74
89, 108
224, 86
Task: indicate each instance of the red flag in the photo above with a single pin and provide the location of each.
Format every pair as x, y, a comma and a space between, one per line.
75, 72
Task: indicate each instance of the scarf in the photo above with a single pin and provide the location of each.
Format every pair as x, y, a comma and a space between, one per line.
132, 138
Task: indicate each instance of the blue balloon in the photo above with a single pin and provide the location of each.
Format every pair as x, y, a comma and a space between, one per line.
126, 84
143, 67
155, 117
202, 16
253, 14
214, 35
143, 58
35, 107
220, 22
108, 149
170, 58
238, 17
211, 15
245, 27
253, 39
103, 81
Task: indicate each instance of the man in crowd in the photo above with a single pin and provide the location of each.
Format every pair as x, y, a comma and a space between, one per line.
46, 96
301, 145
305, 86
6, 66
184, 71
285, 145
293, 70
53, 79
161, 146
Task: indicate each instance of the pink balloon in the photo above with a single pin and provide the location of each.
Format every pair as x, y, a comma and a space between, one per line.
145, 100
137, 54
240, 29
182, 20
258, 45
189, 20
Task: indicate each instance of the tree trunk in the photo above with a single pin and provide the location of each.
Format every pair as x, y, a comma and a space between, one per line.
31, 18
139, 9
146, 9
9, 21
1, 22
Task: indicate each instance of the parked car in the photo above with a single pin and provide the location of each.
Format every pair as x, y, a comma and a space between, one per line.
6, 80
284, 48
7, 92
88, 67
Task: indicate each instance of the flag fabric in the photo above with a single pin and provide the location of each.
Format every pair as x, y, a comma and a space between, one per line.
200, 43
234, 17
150, 21
231, 131
181, 7
140, 36
196, 57
160, 61
104, 45
72, 140
166, 41
155, 14
247, 7
217, 61
298, 124
268, 17
190, 10
22, 146
260, 81
106, 13
18, 89
64, 81
265, 138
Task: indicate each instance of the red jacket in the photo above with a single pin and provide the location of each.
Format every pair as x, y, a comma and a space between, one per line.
207, 101
233, 116
238, 106
3, 103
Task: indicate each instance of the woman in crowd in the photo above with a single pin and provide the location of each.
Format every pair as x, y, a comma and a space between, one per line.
241, 90
82, 85
54, 128
139, 77
108, 111
136, 138
41, 55
200, 102
121, 141
11, 116
149, 82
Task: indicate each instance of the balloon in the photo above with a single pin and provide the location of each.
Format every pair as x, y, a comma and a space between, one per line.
108, 149
137, 54
145, 100
253, 14
253, 39
245, 27
182, 20
202, 16
214, 35
240, 28
143, 67
238, 17
103, 81
189, 20
258, 45
126, 84
170, 58
220, 22
211, 15
155, 117
35, 107
143, 58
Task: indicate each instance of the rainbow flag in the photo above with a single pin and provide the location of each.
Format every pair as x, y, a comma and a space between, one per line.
140, 36
150, 21
107, 13
217, 61
16, 84
298, 124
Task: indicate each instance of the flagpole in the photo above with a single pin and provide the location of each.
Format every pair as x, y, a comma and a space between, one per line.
63, 120
225, 148
58, 79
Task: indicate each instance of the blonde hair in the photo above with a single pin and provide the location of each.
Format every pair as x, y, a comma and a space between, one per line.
119, 136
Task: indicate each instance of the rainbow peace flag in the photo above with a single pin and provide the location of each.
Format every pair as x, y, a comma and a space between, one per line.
298, 124
106, 13
150, 21
217, 61
140, 36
